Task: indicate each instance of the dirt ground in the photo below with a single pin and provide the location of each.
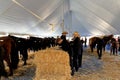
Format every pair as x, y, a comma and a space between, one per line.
108, 68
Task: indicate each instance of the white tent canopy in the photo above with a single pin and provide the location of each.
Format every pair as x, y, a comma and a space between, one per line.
51, 17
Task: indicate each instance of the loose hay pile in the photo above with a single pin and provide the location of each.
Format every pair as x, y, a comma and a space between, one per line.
52, 64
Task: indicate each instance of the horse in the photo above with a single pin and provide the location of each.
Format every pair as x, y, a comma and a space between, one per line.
92, 41
106, 39
9, 54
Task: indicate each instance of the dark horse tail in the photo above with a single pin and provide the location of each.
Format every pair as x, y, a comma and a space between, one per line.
14, 55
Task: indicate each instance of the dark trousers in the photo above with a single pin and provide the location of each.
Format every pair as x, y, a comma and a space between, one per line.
114, 50
99, 52
75, 62
80, 60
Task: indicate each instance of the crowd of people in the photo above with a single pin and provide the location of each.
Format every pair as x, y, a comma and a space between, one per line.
75, 48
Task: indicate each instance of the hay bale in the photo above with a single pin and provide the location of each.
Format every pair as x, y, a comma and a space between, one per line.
52, 64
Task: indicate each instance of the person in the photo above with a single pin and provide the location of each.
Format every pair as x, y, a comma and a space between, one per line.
66, 46
113, 46
85, 42
82, 41
64, 43
77, 51
99, 43
119, 43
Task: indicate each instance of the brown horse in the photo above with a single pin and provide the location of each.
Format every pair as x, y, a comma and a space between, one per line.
92, 41
9, 53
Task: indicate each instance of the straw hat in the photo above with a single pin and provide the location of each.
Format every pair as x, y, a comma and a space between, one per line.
65, 32
76, 34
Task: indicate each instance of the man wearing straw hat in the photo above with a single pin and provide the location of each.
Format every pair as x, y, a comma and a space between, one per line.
66, 46
77, 51
64, 42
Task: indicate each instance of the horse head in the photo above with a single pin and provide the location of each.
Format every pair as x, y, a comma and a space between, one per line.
106, 39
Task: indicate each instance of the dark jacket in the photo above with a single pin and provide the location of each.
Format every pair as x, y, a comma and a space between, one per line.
77, 46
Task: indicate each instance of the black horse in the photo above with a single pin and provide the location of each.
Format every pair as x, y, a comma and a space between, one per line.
22, 47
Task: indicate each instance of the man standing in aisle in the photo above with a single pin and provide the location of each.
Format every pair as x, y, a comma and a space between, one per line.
77, 51
66, 46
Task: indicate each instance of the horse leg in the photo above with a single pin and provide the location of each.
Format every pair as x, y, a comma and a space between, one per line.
111, 50
2, 69
2, 66
10, 66
116, 51
25, 56
103, 47
91, 48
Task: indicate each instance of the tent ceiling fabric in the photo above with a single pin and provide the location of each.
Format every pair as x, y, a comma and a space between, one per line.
51, 17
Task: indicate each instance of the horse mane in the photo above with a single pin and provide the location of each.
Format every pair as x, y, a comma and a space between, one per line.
108, 37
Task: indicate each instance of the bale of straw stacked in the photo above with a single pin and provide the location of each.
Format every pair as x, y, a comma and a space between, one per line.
52, 64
